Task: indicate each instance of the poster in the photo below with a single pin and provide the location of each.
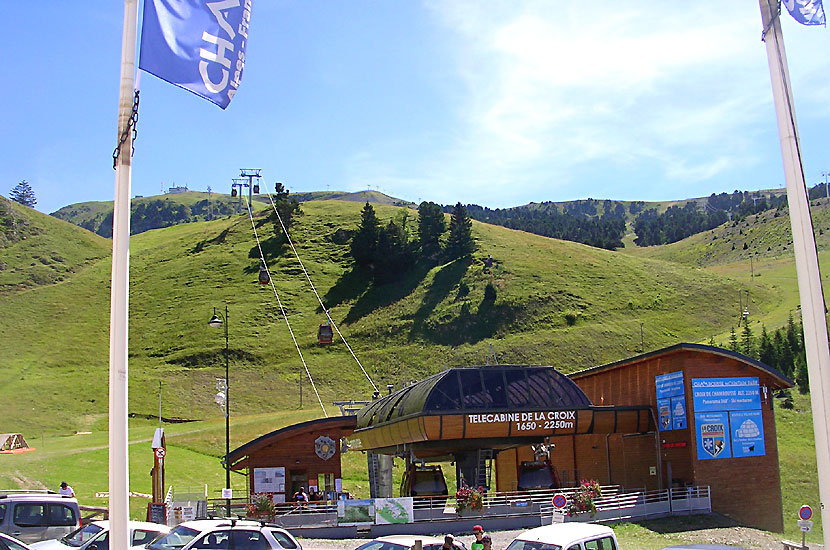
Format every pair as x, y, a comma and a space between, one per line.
394, 510
269, 480
747, 433
355, 512
671, 401
712, 435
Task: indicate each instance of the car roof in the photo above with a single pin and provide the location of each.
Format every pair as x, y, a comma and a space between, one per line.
409, 540
105, 524
564, 533
205, 524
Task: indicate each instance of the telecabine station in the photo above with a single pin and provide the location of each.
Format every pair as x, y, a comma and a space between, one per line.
688, 415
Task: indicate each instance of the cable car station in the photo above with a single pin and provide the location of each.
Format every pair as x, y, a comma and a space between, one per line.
685, 416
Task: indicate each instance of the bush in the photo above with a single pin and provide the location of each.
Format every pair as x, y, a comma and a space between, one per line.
467, 497
582, 500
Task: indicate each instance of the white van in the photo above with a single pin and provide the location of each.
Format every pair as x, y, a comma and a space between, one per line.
566, 536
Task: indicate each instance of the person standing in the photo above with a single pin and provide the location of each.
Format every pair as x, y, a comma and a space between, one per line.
483, 541
66, 490
448, 543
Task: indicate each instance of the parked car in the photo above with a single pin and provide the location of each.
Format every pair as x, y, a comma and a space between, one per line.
225, 533
33, 516
95, 536
8, 542
566, 536
405, 542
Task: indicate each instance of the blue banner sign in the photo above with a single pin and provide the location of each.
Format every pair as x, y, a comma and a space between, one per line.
671, 401
726, 394
712, 435
669, 385
747, 433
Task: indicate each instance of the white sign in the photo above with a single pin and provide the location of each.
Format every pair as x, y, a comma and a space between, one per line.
805, 525
269, 480
227, 493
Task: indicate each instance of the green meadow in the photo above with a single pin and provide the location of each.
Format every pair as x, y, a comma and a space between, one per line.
558, 303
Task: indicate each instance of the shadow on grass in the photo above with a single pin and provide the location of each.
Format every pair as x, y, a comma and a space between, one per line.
680, 524
467, 328
216, 358
443, 282
379, 296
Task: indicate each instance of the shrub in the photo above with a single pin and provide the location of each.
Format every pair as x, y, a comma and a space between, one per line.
467, 497
582, 500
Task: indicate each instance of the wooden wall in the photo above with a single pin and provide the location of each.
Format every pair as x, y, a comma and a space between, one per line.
746, 489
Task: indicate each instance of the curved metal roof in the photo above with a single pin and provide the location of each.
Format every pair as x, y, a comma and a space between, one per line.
478, 389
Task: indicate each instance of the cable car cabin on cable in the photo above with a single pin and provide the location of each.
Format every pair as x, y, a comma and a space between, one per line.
324, 334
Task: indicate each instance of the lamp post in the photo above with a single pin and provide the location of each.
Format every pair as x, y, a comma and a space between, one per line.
216, 321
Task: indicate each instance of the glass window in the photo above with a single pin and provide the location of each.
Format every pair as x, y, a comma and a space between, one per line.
29, 515
518, 395
62, 515
175, 539
2, 512
142, 537
82, 535
371, 545
284, 540
249, 540
13, 545
575, 547
494, 385
446, 395
604, 543
532, 545
215, 540
472, 390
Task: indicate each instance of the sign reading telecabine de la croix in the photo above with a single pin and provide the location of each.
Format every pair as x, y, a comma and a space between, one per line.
671, 401
728, 418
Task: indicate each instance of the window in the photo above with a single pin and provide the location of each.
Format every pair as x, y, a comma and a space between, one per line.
494, 384
284, 540
217, 540
2, 512
575, 547
11, 545
29, 515
605, 543
472, 389
61, 515
249, 540
528, 545
83, 535
142, 537
176, 538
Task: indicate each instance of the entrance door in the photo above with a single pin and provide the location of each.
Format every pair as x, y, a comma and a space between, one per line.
297, 479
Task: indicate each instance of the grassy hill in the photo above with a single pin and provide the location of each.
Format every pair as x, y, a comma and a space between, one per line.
557, 303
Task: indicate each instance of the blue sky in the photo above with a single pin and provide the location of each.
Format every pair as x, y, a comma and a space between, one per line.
493, 103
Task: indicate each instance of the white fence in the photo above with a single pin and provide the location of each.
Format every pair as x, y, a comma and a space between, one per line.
641, 505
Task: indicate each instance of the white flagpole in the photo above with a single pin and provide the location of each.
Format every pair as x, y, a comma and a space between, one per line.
119, 504
806, 257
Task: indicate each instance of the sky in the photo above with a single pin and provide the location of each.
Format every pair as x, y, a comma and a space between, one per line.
493, 103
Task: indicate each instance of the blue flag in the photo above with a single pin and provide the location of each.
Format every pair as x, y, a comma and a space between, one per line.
198, 45
806, 12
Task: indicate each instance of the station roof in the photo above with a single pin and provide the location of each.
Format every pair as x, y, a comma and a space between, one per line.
478, 389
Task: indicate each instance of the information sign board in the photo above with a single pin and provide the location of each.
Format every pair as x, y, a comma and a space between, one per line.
726, 394
712, 435
747, 433
671, 401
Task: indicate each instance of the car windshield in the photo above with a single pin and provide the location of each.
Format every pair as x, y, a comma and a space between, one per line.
82, 535
380, 545
532, 545
176, 538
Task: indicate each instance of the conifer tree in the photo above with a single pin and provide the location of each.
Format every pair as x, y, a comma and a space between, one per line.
365, 241
802, 379
460, 243
747, 344
22, 193
431, 225
733, 340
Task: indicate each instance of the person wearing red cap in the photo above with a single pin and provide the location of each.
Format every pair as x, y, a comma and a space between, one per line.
483, 541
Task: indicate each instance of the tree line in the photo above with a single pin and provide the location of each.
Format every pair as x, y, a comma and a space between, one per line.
783, 349
388, 251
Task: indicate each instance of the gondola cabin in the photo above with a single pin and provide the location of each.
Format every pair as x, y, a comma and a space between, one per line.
324, 334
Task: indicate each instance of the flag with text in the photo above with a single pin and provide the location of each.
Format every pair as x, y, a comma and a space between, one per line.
806, 12
198, 45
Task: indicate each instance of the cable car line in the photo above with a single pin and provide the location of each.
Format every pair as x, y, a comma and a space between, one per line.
282, 309
314, 289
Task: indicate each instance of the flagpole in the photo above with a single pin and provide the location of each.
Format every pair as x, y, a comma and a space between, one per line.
119, 505
806, 257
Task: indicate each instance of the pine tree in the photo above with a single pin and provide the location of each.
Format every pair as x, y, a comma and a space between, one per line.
766, 351
460, 243
365, 241
801, 376
431, 225
393, 254
747, 344
733, 340
23, 194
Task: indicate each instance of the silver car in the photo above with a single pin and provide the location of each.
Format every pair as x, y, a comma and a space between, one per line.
221, 534
95, 536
